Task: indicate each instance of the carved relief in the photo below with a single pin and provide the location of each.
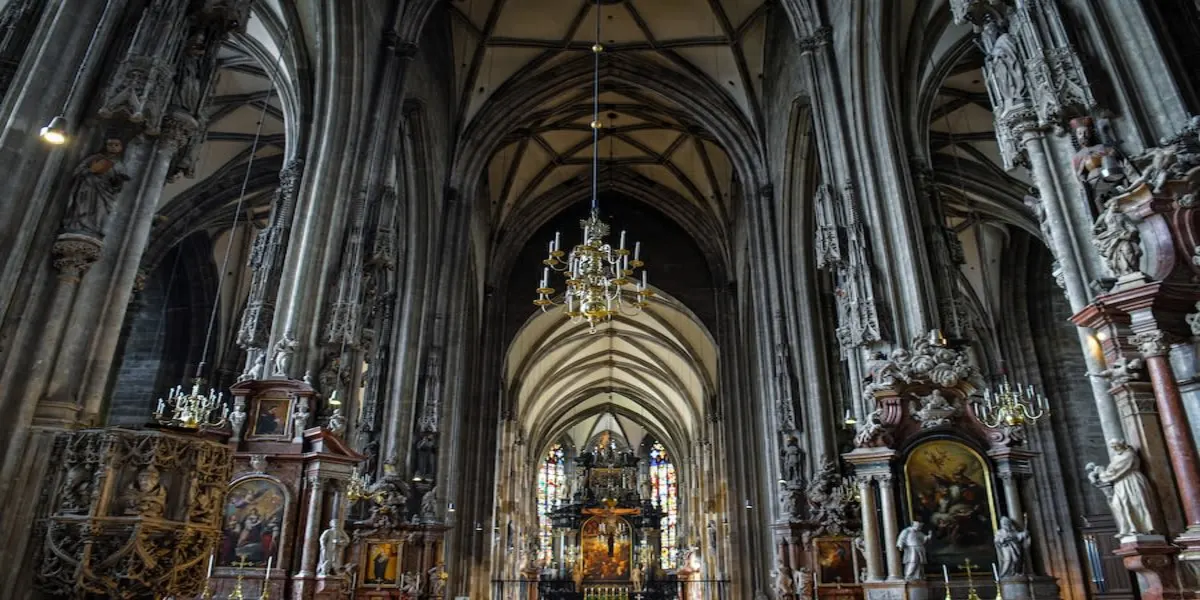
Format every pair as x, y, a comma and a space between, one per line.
935, 409
858, 319
266, 261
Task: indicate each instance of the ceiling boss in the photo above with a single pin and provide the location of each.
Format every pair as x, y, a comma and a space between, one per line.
595, 271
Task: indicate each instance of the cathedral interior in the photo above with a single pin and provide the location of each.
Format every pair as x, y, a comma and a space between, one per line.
600, 299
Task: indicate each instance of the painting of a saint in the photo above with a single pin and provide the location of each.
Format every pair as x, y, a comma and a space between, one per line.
950, 490
835, 561
381, 565
271, 418
253, 520
607, 549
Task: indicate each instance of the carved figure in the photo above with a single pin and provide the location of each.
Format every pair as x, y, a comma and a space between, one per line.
429, 508
300, 420
789, 504
1096, 164
204, 504
427, 456
1130, 499
912, 543
872, 432
803, 580
337, 422
1117, 240
333, 544
934, 410
636, 577
792, 459
283, 350
189, 79
1156, 164
784, 586
76, 495
1011, 545
410, 584
255, 372
1122, 371
145, 496
829, 505
96, 182
1004, 65
437, 580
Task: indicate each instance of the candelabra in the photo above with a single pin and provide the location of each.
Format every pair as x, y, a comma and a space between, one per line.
1011, 406
359, 487
192, 410
596, 273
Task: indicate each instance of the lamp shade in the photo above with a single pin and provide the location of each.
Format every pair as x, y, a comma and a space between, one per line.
56, 132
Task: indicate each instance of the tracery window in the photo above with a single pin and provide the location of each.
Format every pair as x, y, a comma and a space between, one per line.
665, 492
551, 490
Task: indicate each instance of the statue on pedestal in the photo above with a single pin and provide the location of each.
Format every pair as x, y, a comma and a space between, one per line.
1097, 164
1130, 497
429, 507
426, 467
784, 586
94, 187
1011, 544
792, 459
333, 543
1117, 240
912, 542
300, 419
437, 581
283, 354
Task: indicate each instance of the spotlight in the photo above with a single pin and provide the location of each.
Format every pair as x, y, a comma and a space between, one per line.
748, 505
450, 507
56, 132
849, 419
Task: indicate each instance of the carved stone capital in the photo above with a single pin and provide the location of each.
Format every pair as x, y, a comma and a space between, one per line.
74, 254
1152, 343
820, 37
139, 281
178, 130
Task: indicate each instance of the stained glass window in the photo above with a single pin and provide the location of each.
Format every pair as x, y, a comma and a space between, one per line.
666, 496
551, 490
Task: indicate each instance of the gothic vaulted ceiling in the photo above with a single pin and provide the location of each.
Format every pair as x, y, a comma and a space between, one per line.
647, 138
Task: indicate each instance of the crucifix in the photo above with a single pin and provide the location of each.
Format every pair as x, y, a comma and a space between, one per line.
241, 565
971, 594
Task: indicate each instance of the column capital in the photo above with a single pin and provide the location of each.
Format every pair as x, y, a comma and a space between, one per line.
1152, 343
74, 254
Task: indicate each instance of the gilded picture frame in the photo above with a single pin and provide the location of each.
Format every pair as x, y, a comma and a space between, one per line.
835, 562
380, 564
949, 489
271, 417
254, 522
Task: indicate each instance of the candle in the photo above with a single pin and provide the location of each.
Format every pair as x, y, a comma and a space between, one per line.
210, 565
557, 239
268, 577
816, 582
946, 575
995, 574
551, 248
622, 246
545, 276
644, 284
637, 250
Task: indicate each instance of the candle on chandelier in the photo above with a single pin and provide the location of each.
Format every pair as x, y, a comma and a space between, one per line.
644, 278
551, 247
545, 276
557, 239
637, 250
622, 246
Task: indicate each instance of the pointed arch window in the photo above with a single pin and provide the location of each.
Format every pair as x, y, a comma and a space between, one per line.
666, 495
551, 490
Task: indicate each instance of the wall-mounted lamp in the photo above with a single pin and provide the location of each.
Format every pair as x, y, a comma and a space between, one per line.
748, 505
449, 507
849, 421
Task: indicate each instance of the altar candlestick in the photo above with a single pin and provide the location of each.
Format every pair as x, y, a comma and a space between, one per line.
946, 574
995, 574
269, 559
210, 564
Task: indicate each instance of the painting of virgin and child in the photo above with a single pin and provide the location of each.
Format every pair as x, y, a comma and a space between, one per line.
253, 520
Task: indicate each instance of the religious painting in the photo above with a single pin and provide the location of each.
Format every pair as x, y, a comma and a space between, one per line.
253, 523
271, 417
837, 562
607, 549
950, 492
382, 564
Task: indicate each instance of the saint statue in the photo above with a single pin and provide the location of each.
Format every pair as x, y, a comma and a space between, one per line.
427, 456
1117, 240
792, 460
437, 581
333, 543
1004, 65
1096, 164
912, 542
1011, 544
189, 78
146, 496
1130, 499
785, 586
94, 187
283, 354
429, 505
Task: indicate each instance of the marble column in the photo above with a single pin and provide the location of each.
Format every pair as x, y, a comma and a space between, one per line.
887, 497
1185, 461
1012, 498
870, 526
312, 527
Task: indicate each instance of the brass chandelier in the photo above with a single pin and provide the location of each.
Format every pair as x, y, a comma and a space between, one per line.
596, 273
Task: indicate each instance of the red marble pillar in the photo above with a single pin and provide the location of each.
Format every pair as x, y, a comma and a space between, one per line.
1185, 461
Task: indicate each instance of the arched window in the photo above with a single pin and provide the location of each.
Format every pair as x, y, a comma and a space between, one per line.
666, 496
551, 490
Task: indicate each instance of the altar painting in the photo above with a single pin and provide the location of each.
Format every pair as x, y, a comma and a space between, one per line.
270, 418
253, 522
837, 563
607, 549
950, 491
382, 564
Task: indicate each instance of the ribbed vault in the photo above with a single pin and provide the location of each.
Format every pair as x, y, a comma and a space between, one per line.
657, 368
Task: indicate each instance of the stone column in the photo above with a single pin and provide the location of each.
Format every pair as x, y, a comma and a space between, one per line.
887, 496
312, 527
1185, 461
870, 527
1012, 498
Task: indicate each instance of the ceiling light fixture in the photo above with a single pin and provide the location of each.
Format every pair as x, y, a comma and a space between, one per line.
595, 272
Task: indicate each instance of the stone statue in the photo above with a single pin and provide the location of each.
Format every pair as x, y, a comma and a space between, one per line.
1004, 65
95, 184
636, 577
1117, 240
337, 422
437, 580
427, 456
300, 420
785, 586
1130, 499
1011, 545
429, 508
712, 536
1121, 371
333, 544
410, 584
76, 495
792, 459
146, 495
255, 372
1156, 165
283, 354
1096, 164
803, 580
189, 77
872, 431
912, 542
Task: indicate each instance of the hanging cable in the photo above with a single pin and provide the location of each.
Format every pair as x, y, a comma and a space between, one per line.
596, 50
